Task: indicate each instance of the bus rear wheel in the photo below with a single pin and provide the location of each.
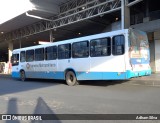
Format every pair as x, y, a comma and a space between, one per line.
71, 79
22, 76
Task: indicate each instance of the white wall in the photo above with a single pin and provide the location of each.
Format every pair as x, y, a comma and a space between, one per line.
152, 50
157, 55
157, 51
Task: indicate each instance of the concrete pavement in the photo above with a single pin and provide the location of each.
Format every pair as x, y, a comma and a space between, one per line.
90, 97
152, 80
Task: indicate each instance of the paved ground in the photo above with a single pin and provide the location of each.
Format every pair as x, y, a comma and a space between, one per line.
153, 80
136, 96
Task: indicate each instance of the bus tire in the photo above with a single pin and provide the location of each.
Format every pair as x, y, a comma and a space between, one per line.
71, 79
22, 75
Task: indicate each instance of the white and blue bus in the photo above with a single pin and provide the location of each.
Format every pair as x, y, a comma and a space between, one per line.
116, 55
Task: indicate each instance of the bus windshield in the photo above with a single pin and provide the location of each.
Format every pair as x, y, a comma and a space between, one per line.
139, 47
15, 59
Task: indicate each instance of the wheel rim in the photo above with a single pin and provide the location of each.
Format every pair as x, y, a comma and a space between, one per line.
71, 78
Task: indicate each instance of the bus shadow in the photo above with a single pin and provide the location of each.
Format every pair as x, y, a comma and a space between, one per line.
86, 82
49, 81
103, 82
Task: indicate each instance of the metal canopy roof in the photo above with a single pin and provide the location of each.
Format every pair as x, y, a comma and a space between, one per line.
41, 8
69, 13
50, 8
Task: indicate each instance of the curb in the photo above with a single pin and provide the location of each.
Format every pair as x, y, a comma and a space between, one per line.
4, 75
152, 80
142, 82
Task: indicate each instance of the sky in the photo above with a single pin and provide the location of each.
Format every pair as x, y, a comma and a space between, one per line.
12, 8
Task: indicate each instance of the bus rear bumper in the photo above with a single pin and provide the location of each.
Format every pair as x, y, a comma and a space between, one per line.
132, 74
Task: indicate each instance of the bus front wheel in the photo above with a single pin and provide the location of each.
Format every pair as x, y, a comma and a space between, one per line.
22, 75
71, 79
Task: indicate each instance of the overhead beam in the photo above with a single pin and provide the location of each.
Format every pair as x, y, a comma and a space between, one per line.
38, 17
43, 6
129, 4
97, 22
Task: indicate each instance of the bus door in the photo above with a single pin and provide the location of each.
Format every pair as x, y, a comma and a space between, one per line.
45, 64
64, 60
118, 57
81, 60
29, 64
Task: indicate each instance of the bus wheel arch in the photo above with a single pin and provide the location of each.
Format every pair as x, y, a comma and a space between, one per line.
70, 77
22, 75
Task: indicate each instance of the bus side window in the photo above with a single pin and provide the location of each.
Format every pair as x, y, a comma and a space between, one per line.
39, 54
64, 51
118, 44
29, 55
22, 56
51, 53
100, 47
80, 49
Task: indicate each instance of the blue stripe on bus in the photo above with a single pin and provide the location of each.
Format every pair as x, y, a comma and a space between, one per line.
111, 75
45, 75
41, 75
86, 75
131, 74
101, 76
15, 74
